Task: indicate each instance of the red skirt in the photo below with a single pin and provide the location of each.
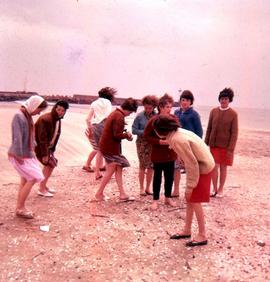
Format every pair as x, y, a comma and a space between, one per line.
201, 193
220, 156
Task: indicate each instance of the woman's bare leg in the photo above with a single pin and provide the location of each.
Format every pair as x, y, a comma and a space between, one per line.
188, 220
177, 178
215, 178
197, 207
99, 160
47, 172
149, 177
222, 178
119, 181
90, 158
24, 190
141, 179
110, 169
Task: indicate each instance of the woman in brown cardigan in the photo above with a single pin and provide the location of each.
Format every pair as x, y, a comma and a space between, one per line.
221, 136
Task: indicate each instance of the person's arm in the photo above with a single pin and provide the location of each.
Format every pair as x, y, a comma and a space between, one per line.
185, 152
197, 125
234, 134
118, 129
17, 128
136, 127
89, 118
42, 138
149, 134
209, 128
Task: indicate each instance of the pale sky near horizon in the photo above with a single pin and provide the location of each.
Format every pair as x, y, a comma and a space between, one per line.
139, 47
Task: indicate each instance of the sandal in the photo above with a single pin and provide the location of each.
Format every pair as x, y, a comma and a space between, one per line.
98, 177
88, 168
179, 236
213, 195
127, 199
196, 243
96, 200
24, 214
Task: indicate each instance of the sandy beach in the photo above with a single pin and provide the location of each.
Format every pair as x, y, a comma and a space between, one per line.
113, 241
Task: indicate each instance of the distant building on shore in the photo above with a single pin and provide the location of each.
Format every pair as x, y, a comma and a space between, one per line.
13, 96
76, 98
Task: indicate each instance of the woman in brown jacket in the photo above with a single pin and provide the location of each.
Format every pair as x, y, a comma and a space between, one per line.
221, 136
47, 132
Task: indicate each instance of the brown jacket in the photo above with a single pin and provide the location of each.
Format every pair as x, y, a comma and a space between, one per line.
222, 129
113, 133
44, 131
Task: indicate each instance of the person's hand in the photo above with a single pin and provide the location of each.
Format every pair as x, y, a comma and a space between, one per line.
163, 142
45, 159
188, 195
129, 136
19, 160
229, 154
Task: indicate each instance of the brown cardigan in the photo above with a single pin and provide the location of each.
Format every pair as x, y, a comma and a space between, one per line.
222, 129
44, 131
113, 133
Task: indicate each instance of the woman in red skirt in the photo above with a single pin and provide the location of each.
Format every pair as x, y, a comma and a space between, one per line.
221, 136
199, 165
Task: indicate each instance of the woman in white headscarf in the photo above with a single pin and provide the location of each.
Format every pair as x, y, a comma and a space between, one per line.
21, 152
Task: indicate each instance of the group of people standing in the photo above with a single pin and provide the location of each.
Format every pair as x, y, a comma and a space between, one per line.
32, 143
165, 143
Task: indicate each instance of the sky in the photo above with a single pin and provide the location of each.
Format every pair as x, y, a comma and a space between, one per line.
140, 47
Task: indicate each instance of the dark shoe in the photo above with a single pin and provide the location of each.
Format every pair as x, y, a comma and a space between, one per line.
175, 196
88, 169
148, 193
213, 195
98, 177
180, 236
103, 168
195, 243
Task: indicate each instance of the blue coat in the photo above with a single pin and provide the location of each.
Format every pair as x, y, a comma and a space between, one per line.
190, 120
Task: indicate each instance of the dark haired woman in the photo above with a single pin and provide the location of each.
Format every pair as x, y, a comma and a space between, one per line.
188, 117
110, 147
162, 156
144, 148
199, 165
47, 133
21, 152
99, 111
221, 136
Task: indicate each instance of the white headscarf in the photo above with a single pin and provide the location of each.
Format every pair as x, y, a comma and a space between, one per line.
32, 103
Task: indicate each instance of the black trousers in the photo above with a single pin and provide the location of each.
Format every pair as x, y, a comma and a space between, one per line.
168, 169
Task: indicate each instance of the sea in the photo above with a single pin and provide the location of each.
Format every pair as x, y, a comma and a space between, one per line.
253, 119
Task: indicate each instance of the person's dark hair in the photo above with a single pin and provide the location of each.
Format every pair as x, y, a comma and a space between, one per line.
186, 94
107, 93
130, 104
63, 104
150, 100
43, 105
226, 92
164, 100
165, 124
